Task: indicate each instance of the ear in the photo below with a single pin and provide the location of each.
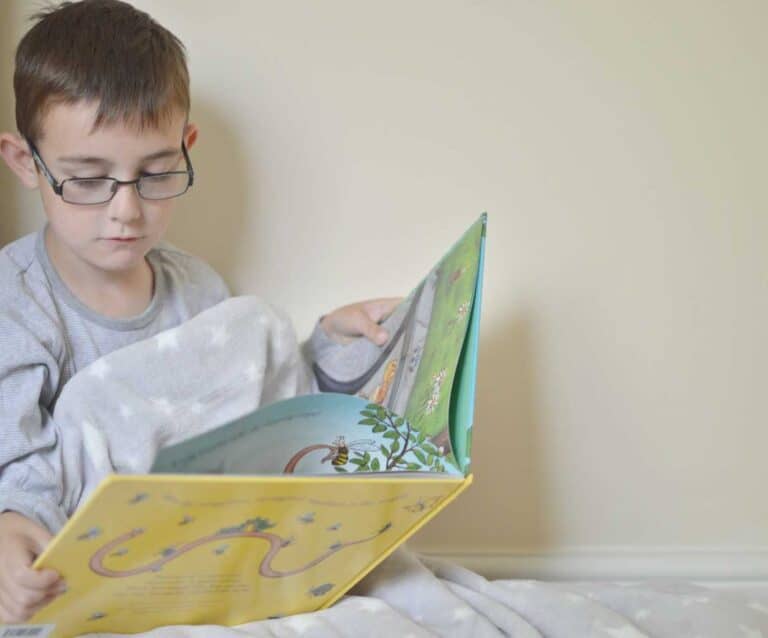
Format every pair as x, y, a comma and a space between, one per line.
190, 135
17, 155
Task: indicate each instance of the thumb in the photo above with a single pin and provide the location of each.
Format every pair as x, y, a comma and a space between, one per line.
373, 331
38, 538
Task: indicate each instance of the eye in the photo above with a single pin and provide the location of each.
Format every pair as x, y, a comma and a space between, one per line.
88, 184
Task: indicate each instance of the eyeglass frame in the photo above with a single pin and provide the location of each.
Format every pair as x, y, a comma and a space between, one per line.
58, 187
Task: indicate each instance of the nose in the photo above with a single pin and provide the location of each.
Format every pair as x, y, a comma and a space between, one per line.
125, 206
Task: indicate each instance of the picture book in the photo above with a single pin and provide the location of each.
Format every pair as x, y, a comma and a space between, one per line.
283, 510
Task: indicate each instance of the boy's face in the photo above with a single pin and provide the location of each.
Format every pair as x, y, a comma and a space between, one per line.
115, 236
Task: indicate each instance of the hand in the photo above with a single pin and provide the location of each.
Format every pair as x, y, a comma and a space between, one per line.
23, 590
360, 319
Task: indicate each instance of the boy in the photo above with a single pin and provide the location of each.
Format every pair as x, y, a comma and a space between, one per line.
102, 104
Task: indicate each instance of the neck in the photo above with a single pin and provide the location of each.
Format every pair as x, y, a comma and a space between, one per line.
114, 294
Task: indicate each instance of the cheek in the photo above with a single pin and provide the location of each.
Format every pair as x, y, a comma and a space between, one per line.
158, 214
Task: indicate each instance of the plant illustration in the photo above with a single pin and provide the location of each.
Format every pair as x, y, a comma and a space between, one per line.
407, 448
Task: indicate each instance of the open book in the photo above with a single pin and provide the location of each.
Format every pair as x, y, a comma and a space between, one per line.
283, 510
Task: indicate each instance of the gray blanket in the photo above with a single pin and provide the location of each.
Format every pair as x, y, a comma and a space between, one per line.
241, 354
412, 596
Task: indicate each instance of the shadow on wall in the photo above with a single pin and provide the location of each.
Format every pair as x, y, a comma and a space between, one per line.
507, 454
9, 228
208, 221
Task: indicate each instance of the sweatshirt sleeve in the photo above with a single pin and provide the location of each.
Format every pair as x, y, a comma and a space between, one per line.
341, 362
31, 481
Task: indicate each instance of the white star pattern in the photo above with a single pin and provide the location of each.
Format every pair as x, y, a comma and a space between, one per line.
195, 408
126, 411
689, 600
519, 584
96, 447
758, 607
748, 632
300, 623
99, 368
460, 613
575, 599
168, 340
219, 336
164, 405
252, 372
625, 631
370, 604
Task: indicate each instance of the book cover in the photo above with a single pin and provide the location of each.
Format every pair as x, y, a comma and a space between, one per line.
283, 510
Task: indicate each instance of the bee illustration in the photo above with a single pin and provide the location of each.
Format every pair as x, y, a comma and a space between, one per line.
309, 517
334, 527
97, 615
220, 549
91, 533
339, 454
186, 520
420, 505
142, 496
320, 590
120, 552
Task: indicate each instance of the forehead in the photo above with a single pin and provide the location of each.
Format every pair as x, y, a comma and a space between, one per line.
70, 127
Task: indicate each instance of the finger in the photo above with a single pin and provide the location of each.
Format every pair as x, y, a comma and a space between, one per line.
380, 309
7, 616
32, 579
22, 605
39, 536
371, 330
11, 612
47, 600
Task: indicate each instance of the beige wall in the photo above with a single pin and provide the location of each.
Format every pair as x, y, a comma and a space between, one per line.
619, 149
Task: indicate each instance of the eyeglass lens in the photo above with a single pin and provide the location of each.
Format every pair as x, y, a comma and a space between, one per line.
101, 190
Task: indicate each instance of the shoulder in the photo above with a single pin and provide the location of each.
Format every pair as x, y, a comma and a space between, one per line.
188, 275
23, 284
30, 330
16, 259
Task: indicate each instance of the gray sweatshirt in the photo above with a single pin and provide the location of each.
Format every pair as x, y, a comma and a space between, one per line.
47, 335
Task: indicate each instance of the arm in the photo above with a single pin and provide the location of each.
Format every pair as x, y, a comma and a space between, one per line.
31, 493
347, 342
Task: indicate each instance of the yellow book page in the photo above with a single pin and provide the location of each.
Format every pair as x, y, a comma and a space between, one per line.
148, 551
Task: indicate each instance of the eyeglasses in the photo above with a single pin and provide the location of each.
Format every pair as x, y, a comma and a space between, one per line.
86, 191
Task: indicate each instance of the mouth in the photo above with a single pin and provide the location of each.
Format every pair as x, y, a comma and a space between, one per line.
123, 239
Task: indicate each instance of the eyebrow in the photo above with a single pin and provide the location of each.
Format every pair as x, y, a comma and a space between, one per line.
90, 159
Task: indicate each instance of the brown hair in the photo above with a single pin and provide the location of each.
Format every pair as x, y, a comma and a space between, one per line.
105, 51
